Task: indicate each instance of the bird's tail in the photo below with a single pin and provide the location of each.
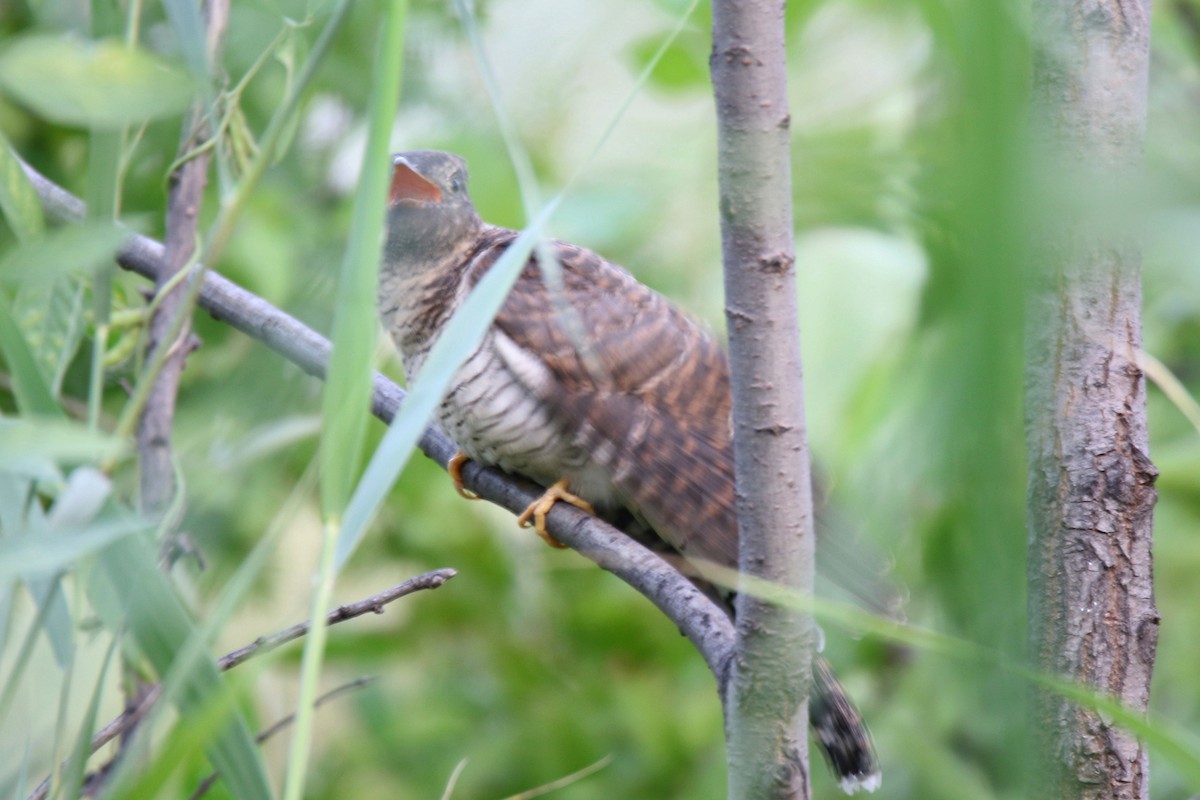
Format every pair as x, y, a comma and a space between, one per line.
841, 733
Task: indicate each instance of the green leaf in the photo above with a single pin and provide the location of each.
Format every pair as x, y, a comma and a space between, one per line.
346, 400
345, 404
18, 199
95, 84
53, 319
72, 249
189, 29
163, 631
38, 555
27, 446
51, 599
30, 388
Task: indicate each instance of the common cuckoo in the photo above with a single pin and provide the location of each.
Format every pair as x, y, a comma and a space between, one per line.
627, 410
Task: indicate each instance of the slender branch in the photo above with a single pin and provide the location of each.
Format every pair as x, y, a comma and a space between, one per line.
705, 625
374, 604
767, 706
171, 312
170, 338
284, 722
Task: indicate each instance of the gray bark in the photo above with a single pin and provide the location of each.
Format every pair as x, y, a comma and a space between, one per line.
187, 182
1091, 482
767, 701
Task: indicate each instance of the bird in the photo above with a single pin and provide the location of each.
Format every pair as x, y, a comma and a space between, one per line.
608, 395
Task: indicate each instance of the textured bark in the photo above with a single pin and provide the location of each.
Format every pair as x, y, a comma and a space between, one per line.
766, 705
1091, 483
157, 473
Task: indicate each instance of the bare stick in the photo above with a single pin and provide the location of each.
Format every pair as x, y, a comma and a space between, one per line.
373, 604
705, 625
170, 322
170, 329
284, 722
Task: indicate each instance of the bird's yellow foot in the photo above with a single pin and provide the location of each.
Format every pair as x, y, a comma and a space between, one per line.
454, 467
540, 507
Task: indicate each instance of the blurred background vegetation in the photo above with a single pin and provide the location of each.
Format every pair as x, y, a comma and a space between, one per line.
913, 212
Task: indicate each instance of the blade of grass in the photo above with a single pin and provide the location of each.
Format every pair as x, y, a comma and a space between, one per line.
231, 599
76, 766
189, 29
162, 629
547, 259
32, 392
9, 692
346, 401
18, 199
466, 328
179, 747
1168, 739
461, 336
1171, 386
564, 781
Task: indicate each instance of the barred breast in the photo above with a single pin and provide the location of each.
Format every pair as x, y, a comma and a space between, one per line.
495, 419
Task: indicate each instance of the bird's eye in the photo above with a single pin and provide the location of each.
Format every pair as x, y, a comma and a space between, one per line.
456, 184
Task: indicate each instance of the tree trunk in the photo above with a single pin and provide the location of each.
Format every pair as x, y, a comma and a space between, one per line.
767, 701
1091, 482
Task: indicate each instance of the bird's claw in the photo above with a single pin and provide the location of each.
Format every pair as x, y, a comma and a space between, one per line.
539, 508
454, 467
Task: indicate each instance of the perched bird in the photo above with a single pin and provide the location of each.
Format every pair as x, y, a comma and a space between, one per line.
635, 419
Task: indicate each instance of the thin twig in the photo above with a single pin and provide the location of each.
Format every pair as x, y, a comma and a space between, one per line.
373, 604
131, 717
283, 722
169, 324
565, 780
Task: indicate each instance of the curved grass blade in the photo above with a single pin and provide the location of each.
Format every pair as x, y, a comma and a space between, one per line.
346, 401
461, 336
18, 199
31, 390
466, 328
162, 629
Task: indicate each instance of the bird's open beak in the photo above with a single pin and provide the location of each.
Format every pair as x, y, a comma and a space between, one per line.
408, 184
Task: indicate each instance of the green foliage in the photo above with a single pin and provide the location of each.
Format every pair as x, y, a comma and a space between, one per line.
102, 84
912, 225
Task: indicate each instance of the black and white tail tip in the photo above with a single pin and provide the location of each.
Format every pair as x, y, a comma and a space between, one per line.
841, 733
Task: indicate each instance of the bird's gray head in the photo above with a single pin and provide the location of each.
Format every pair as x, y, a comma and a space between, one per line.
429, 210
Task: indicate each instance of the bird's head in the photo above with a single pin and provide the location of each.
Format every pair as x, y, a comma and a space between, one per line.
429, 210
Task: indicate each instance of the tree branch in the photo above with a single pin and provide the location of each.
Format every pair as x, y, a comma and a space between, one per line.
375, 604
170, 327
705, 625
767, 707
1091, 483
